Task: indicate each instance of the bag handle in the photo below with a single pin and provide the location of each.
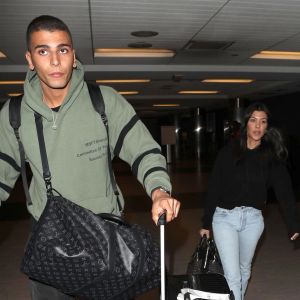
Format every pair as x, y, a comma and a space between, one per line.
115, 219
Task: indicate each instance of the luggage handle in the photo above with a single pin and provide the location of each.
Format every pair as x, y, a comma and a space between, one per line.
162, 218
161, 222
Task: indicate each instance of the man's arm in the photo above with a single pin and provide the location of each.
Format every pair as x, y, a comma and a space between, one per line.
9, 155
132, 142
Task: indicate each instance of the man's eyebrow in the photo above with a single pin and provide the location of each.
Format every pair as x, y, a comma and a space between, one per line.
41, 46
58, 46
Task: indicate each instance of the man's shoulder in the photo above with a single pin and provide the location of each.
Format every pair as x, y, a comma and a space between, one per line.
4, 113
113, 100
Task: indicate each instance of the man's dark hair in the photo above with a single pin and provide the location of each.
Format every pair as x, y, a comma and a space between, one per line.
48, 23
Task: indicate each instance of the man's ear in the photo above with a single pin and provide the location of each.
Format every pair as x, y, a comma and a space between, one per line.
29, 60
74, 60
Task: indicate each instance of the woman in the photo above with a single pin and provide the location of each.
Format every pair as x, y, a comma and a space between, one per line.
237, 192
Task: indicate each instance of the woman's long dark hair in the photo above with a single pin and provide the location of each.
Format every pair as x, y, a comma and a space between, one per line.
272, 144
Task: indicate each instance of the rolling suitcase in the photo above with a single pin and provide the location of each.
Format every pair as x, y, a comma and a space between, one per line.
211, 286
170, 285
161, 223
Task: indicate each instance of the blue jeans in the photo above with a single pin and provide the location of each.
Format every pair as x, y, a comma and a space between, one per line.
236, 233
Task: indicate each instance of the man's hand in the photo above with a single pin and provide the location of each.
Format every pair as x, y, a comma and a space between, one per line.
162, 201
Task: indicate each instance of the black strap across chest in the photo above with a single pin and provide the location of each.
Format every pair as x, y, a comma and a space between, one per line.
15, 121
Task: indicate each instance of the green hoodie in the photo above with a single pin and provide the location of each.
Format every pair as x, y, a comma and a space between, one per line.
77, 149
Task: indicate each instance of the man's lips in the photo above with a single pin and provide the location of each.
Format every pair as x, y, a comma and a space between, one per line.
56, 74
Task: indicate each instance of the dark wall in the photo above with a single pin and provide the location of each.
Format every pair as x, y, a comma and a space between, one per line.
285, 113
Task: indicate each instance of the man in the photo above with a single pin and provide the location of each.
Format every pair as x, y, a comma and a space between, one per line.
76, 140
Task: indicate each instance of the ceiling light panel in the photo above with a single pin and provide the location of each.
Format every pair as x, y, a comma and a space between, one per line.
128, 52
166, 105
123, 81
128, 92
228, 80
288, 55
2, 55
198, 92
11, 82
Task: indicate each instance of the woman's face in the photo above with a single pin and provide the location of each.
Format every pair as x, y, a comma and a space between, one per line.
256, 128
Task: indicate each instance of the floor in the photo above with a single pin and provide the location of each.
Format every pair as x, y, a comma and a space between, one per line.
276, 268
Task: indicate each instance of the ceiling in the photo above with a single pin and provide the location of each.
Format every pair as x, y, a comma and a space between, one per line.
244, 27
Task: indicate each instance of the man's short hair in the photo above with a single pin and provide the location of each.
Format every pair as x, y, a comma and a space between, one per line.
48, 23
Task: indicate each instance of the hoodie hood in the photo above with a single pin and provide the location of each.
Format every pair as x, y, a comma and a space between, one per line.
33, 92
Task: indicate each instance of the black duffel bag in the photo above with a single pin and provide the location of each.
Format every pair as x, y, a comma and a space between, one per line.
91, 256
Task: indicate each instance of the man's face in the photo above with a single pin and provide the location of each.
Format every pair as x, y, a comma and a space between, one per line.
52, 56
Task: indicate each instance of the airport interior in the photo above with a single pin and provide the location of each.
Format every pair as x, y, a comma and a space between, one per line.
189, 69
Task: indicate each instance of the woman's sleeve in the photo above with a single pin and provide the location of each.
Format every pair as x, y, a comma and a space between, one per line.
213, 191
281, 183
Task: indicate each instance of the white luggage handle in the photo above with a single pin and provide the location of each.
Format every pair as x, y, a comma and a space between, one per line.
161, 222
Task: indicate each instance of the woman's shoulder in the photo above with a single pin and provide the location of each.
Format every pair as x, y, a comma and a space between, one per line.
228, 150
232, 146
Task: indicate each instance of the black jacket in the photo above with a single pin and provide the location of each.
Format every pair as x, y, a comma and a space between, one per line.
245, 181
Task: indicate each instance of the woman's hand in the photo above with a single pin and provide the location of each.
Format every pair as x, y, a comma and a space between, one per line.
294, 236
203, 232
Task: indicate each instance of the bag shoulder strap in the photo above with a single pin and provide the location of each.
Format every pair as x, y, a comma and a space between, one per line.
15, 122
99, 106
97, 99
15, 112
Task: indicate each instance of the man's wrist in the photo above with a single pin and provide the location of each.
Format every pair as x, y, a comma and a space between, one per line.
161, 189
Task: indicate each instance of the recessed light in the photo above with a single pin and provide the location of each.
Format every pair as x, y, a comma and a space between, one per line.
133, 52
290, 55
166, 105
123, 80
128, 92
14, 94
12, 82
228, 80
198, 92
144, 33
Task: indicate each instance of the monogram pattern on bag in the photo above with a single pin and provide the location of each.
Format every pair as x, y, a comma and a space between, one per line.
82, 254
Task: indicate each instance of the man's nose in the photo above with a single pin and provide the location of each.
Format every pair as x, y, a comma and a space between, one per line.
55, 61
